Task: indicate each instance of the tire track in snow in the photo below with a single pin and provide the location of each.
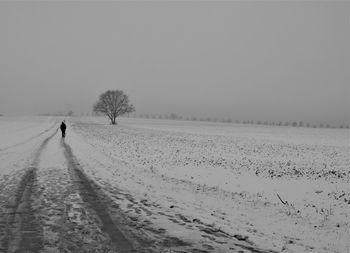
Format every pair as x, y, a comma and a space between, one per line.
23, 229
29, 139
91, 195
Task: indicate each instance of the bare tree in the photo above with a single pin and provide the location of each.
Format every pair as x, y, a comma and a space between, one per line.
113, 103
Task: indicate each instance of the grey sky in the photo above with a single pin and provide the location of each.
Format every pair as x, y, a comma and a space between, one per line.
245, 60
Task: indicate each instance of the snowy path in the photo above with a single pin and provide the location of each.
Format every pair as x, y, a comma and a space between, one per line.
22, 228
53, 207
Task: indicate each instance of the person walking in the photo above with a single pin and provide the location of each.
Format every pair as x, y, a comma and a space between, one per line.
63, 129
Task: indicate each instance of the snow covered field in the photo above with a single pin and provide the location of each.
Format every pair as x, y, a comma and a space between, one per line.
179, 186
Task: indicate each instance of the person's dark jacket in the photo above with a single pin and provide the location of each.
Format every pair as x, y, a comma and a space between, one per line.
63, 126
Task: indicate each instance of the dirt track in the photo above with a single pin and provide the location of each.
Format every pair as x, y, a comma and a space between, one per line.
26, 226
94, 198
57, 207
23, 231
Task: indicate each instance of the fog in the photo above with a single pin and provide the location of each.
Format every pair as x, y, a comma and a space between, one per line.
253, 60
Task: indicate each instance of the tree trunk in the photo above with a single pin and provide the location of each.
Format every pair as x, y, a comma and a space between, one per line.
113, 121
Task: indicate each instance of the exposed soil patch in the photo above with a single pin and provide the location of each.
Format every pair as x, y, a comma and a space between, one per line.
88, 192
23, 231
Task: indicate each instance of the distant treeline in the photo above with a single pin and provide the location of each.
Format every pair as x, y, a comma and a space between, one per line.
174, 116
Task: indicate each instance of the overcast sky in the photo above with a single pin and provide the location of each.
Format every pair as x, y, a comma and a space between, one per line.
244, 60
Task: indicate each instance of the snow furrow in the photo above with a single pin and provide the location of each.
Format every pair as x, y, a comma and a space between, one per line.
23, 230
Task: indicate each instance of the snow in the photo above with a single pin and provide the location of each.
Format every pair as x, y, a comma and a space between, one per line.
15, 131
209, 186
229, 176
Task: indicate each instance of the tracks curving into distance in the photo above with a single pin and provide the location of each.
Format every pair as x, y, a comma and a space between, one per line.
23, 228
24, 231
91, 195
29, 139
